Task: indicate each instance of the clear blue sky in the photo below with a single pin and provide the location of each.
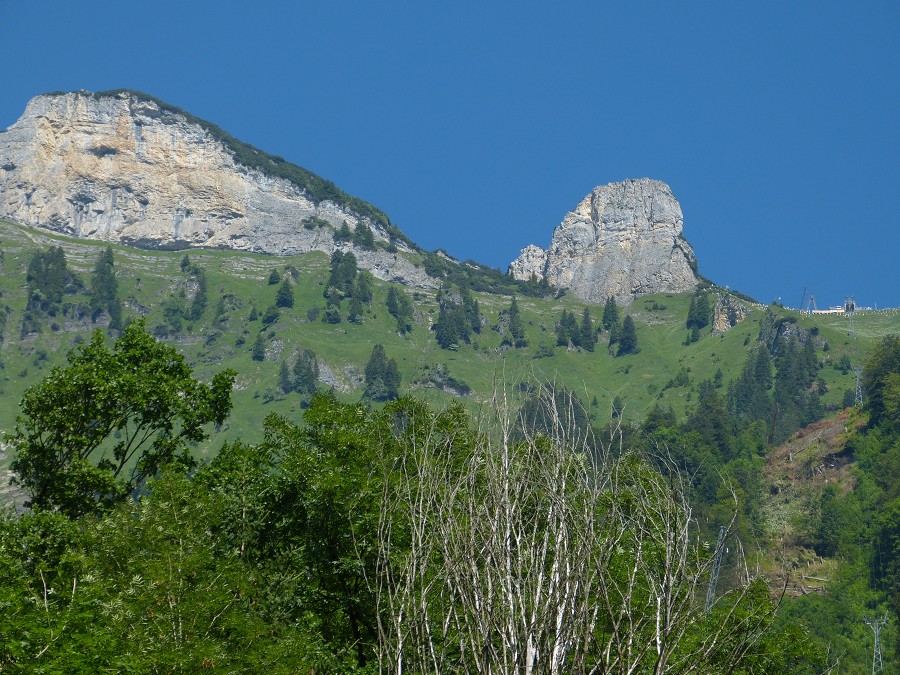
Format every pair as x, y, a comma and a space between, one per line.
477, 125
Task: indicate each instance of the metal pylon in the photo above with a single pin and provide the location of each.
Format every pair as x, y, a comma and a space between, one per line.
875, 625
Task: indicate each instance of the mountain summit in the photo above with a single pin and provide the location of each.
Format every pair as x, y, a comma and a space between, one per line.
623, 240
121, 166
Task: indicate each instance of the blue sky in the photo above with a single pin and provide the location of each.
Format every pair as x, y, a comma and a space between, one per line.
477, 125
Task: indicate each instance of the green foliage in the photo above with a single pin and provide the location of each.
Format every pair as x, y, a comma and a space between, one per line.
258, 350
199, 301
477, 277
610, 314
342, 235
285, 296
700, 312
628, 342
274, 277
92, 432
363, 237
343, 273
399, 306
49, 278
105, 290
881, 381
306, 374
381, 376
453, 326
587, 335
355, 311
516, 327
313, 222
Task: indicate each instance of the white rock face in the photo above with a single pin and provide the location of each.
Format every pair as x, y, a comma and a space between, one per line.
121, 168
623, 240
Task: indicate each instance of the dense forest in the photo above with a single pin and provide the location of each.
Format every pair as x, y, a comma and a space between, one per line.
378, 532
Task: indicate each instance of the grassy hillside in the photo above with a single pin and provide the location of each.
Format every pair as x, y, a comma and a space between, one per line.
237, 284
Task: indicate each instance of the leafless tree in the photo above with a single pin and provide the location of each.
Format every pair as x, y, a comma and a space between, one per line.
542, 556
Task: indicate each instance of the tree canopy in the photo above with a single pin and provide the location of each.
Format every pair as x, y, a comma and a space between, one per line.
94, 430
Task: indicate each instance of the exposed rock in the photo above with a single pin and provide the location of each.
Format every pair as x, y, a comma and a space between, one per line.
124, 168
728, 313
623, 240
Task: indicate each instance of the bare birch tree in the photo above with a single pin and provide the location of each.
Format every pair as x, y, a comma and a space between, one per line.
538, 556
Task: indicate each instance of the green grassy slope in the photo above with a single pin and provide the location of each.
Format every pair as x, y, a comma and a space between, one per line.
148, 278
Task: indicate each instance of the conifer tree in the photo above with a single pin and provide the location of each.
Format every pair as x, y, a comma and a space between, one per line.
355, 311
588, 337
258, 350
363, 237
610, 313
562, 334
382, 377
198, 304
362, 287
284, 379
285, 295
105, 290
306, 374
274, 277
471, 309
400, 307
628, 343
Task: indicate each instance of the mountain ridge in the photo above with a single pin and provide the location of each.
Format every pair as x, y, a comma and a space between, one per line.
124, 166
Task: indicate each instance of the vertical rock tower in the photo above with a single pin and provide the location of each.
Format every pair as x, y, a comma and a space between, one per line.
623, 240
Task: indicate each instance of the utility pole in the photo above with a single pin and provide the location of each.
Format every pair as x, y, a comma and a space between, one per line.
714, 572
875, 625
859, 396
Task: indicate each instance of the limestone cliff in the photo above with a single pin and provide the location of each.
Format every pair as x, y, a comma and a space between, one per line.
124, 167
623, 240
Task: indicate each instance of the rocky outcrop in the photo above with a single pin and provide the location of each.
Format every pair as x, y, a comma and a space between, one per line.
727, 314
124, 167
623, 240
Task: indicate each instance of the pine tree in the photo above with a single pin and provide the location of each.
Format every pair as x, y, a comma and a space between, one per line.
471, 309
105, 290
610, 313
362, 287
628, 339
355, 311
258, 350
363, 237
185, 263
198, 304
284, 379
306, 374
285, 295
562, 334
587, 334
274, 277
400, 307
382, 377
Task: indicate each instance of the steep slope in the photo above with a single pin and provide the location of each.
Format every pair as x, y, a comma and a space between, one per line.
124, 167
623, 240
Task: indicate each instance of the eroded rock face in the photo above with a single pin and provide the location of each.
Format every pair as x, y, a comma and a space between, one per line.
121, 168
623, 240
